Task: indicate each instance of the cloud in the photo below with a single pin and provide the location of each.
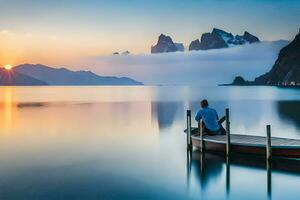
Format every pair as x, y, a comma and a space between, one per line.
191, 68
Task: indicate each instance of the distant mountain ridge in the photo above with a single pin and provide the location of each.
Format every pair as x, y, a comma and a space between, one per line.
221, 39
13, 78
30, 74
63, 76
217, 39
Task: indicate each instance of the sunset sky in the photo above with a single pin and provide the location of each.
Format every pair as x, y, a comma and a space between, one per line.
59, 32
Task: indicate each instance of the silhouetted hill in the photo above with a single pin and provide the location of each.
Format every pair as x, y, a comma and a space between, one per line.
63, 76
14, 78
285, 71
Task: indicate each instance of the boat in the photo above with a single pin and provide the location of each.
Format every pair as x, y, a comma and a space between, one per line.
249, 144
241, 143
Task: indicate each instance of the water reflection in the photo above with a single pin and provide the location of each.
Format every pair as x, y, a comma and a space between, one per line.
31, 105
89, 141
165, 113
209, 167
227, 176
7, 108
60, 132
289, 111
205, 167
269, 178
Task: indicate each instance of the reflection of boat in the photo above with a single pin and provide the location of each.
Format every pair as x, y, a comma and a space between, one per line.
290, 165
206, 167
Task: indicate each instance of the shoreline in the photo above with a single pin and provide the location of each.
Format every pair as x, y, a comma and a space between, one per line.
278, 86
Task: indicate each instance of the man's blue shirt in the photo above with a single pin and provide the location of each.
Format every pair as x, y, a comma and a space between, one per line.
210, 118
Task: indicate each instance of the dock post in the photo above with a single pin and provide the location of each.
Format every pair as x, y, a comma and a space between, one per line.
188, 129
227, 132
268, 143
200, 131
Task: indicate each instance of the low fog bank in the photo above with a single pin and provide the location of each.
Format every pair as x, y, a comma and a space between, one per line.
210, 67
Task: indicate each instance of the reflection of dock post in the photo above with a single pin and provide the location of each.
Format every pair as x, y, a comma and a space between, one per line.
268, 143
268, 161
188, 129
202, 164
188, 165
227, 132
269, 179
227, 176
202, 170
200, 131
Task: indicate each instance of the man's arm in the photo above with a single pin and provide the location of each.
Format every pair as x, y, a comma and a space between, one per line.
223, 119
198, 116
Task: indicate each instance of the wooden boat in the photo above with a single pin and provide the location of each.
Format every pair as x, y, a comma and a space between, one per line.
240, 143
249, 144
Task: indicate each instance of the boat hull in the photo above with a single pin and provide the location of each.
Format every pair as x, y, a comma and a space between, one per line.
280, 151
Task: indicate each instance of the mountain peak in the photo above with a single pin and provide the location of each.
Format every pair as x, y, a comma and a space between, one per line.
221, 32
165, 38
195, 45
219, 38
165, 44
250, 38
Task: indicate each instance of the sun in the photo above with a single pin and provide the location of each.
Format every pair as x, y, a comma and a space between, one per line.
8, 67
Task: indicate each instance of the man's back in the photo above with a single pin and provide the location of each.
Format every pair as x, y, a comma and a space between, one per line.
209, 117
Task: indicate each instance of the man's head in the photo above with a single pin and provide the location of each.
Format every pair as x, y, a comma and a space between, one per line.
204, 103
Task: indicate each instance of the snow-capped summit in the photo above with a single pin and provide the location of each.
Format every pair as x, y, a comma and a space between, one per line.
221, 39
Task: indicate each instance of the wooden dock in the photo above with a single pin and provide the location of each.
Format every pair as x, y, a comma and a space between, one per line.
249, 144
241, 143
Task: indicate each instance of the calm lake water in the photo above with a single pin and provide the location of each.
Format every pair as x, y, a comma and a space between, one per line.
127, 143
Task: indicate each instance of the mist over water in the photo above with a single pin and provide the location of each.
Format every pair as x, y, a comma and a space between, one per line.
205, 68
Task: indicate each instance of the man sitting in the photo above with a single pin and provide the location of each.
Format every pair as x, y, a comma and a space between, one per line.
210, 119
